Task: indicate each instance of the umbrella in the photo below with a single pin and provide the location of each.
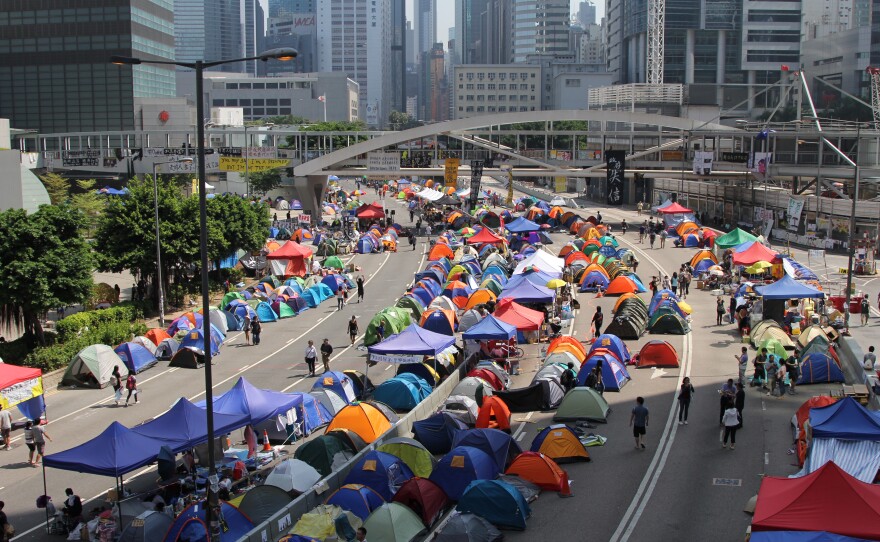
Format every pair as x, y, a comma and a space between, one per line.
556, 283
758, 267
467, 232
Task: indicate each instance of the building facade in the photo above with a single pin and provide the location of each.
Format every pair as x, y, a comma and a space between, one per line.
54, 70
467, 29
484, 89
209, 30
278, 8
539, 28
434, 107
297, 30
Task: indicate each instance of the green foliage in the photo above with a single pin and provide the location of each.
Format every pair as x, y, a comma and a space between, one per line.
235, 275
402, 121
283, 120
241, 224
338, 142
59, 355
57, 186
71, 326
45, 264
89, 203
264, 181
16, 351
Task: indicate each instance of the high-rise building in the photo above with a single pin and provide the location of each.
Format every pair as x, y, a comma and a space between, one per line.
411, 55
434, 105
254, 30
208, 30
297, 30
496, 32
540, 28
425, 17
586, 14
398, 55
468, 34
55, 74
277, 8
353, 37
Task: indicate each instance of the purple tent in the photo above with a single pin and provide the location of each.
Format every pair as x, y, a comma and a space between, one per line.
521, 225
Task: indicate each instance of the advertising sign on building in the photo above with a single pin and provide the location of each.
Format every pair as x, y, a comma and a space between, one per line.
450, 172
615, 166
383, 161
372, 114
795, 208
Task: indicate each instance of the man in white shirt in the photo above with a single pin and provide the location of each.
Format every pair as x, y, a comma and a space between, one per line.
5, 427
868, 362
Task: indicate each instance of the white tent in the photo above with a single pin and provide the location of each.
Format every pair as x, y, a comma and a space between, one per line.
469, 319
146, 343
462, 407
293, 476
543, 260
470, 386
330, 399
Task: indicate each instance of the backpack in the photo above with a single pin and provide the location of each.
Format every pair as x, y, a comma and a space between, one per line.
130, 383
591, 380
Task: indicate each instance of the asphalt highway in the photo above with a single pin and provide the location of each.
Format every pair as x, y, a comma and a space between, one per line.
684, 486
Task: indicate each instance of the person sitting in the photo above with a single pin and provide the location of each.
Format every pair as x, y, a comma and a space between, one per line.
72, 508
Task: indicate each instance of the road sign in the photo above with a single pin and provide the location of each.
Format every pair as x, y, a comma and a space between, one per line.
254, 165
451, 172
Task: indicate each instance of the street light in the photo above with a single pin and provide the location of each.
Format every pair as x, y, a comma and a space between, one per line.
184, 160
212, 510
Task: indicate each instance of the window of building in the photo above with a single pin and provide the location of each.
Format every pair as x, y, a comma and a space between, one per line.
523, 98
271, 85
470, 97
480, 97
523, 87
481, 76
284, 111
217, 103
469, 109
246, 86
491, 109
502, 109
491, 77
502, 98
491, 86
244, 101
259, 86
512, 97
572, 83
502, 76
272, 101
480, 109
502, 86
491, 97
284, 101
231, 103
259, 101
481, 86
470, 76
232, 86
470, 86
259, 111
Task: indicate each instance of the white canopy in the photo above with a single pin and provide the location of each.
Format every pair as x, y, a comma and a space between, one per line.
543, 260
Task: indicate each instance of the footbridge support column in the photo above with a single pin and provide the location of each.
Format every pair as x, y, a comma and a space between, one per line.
310, 192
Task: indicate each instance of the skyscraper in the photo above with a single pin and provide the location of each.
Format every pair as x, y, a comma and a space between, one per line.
586, 14
425, 17
467, 30
55, 74
254, 28
278, 8
208, 30
540, 28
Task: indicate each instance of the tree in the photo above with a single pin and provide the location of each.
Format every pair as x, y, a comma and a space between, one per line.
242, 225
264, 181
338, 142
46, 264
58, 187
284, 120
402, 121
90, 204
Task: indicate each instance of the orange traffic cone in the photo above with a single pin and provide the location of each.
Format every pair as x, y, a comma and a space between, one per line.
266, 446
566, 489
228, 443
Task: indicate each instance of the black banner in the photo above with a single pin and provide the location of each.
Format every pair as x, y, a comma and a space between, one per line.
735, 157
476, 177
615, 162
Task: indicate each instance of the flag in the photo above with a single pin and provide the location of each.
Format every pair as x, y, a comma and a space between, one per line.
322, 98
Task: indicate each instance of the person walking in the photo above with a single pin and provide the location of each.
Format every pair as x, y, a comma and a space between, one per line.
568, 378
685, 281
791, 367
870, 359
726, 395
730, 420
720, 311
685, 393
638, 420
131, 386
39, 437
663, 236
326, 351
623, 226
598, 318
5, 427
116, 382
739, 402
360, 287
7, 531
866, 310
246, 327
641, 233
665, 283
742, 362
760, 375
311, 357
651, 238
340, 298
639, 208
353, 329
673, 282
256, 329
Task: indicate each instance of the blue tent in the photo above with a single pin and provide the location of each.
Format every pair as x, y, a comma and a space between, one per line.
846, 419
293, 283
297, 303
528, 292
116, 451
334, 282
433, 274
539, 278
495, 269
364, 245
614, 374
244, 310
691, 240
413, 340
244, 399
190, 525
422, 371
608, 251
521, 225
431, 285
384, 473
185, 426
614, 344
438, 432
424, 295
195, 340
437, 322
661, 295
593, 280
265, 313
358, 499
497, 502
703, 265
490, 328
670, 305
424, 388
399, 394
638, 282
233, 323
318, 293
461, 466
819, 368
136, 357
499, 445
339, 382
788, 288
799, 271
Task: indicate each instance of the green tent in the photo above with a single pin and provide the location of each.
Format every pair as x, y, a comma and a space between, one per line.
328, 247
285, 311
92, 367
774, 347
410, 303
591, 248
412, 452
393, 522
271, 279
582, 403
734, 238
334, 262
665, 320
229, 298
396, 319
253, 302
493, 285
323, 452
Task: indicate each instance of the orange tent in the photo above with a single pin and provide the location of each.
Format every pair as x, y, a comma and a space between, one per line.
566, 250
541, 471
494, 414
157, 335
362, 418
621, 285
556, 211
575, 256
272, 246
440, 251
190, 316
448, 313
565, 216
702, 255
657, 354
429, 183
533, 212
575, 226
620, 300
685, 227
453, 216
567, 343
483, 295
802, 415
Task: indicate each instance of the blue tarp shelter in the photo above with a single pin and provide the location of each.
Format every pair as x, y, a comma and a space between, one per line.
499, 445
819, 368
528, 292
437, 433
185, 425
412, 341
190, 525
461, 466
384, 473
490, 328
116, 451
135, 357
845, 419
266, 313
614, 374
194, 340
497, 502
521, 225
788, 288
399, 394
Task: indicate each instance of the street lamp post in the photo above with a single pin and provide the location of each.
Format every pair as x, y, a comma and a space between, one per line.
212, 509
851, 248
161, 284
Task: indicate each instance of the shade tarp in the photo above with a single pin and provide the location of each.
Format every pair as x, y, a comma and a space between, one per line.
19, 384
845, 419
490, 328
755, 253
485, 236
185, 426
674, 208
522, 225
412, 341
522, 318
734, 238
859, 458
788, 288
253, 404
115, 452
527, 292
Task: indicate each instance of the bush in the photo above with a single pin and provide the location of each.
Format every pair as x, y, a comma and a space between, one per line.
57, 356
75, 324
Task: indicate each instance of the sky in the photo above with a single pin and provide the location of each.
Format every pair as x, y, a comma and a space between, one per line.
446, 15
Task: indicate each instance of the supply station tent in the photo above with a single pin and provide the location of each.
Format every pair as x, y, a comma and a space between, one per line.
22, 387
116, 451
184, 426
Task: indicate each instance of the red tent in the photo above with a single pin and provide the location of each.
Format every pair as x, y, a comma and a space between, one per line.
424, 497
370, 211
828, 499
675, 208
755, 253
489, 377
657, 354
290, 259
521, 318
485, 236
13, 374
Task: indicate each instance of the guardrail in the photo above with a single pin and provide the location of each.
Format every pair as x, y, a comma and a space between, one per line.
282, 521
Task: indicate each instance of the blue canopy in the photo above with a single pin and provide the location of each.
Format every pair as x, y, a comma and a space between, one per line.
136, 357
253, 404
528, 292
490, 328
185, 425
846, 419
800, 536
413, 340
521, 225
116, 451
788, 288
195, 341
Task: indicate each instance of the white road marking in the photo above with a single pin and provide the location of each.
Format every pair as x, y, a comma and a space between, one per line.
766, 458
763, 405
